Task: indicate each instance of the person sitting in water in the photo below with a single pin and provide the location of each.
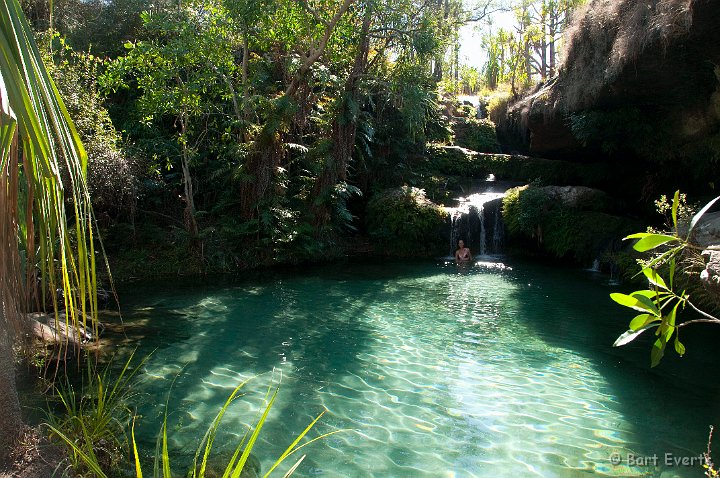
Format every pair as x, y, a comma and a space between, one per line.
463, 253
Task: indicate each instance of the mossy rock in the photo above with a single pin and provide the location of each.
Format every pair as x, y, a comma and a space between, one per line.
403, 222
568, 222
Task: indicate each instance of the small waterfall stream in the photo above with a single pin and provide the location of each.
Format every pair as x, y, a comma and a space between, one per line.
477, 220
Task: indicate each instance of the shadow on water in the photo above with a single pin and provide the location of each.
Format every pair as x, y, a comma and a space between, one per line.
669, 407
431, 363
209, 335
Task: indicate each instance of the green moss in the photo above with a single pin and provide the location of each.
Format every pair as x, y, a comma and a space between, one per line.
579, 232
402, 222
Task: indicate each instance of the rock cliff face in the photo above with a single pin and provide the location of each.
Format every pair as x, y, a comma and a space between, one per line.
639, 80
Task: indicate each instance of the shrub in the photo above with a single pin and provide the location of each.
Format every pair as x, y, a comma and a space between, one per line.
497, 105
403, 222
524, 208
455, 161
477, 135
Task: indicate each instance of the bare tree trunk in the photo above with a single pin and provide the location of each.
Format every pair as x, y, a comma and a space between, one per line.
10, 296
189, 213
10, 417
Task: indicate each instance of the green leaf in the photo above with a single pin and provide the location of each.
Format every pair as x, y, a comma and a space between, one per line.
675, 205
637, 301
641, 321
631, 335
654, 277
657, 352
679, 347
650, 241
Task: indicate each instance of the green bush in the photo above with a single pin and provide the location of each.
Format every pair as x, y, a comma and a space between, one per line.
477, 135
524, 209
455, 161
403, 222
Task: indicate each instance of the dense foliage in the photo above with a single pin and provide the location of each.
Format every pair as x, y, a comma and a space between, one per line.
403, 223
477, 134
569, 223
252, 131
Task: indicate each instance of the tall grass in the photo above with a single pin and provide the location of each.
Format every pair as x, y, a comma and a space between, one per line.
94, 421
94, 429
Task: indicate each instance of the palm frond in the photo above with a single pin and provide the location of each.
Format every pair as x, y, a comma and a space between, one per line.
38, 144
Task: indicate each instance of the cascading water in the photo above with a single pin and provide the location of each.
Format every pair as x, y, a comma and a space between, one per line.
477, 221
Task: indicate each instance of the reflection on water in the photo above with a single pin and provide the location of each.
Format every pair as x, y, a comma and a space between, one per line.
435, 370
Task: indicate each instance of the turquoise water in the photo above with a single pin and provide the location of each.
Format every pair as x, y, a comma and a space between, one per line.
495, 370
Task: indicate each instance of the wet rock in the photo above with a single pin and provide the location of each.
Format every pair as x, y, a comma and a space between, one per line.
707, 234
707, 230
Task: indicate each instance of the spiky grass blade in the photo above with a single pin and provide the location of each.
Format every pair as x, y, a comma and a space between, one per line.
89, 460
251, 442
291, 448
294, 467
209, 437
138, 468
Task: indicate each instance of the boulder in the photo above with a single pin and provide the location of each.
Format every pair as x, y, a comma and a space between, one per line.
707, 234
707, 231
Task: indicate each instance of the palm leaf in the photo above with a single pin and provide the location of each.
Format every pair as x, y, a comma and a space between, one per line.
38, 143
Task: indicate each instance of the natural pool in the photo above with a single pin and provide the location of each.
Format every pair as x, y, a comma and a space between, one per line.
500, 369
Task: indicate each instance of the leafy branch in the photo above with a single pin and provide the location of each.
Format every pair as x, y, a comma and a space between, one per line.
660, 302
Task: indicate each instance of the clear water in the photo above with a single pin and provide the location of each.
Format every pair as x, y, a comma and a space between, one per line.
493, 370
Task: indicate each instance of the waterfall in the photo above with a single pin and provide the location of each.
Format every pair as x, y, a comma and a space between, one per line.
477, 221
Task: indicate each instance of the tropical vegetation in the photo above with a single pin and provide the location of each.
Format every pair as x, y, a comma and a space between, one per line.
207, 136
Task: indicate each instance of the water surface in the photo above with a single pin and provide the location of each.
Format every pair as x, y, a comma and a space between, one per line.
494, 370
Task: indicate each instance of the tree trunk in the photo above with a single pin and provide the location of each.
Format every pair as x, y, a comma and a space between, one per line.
10, 417
268, 150
11, 293
189, 213
343, 131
